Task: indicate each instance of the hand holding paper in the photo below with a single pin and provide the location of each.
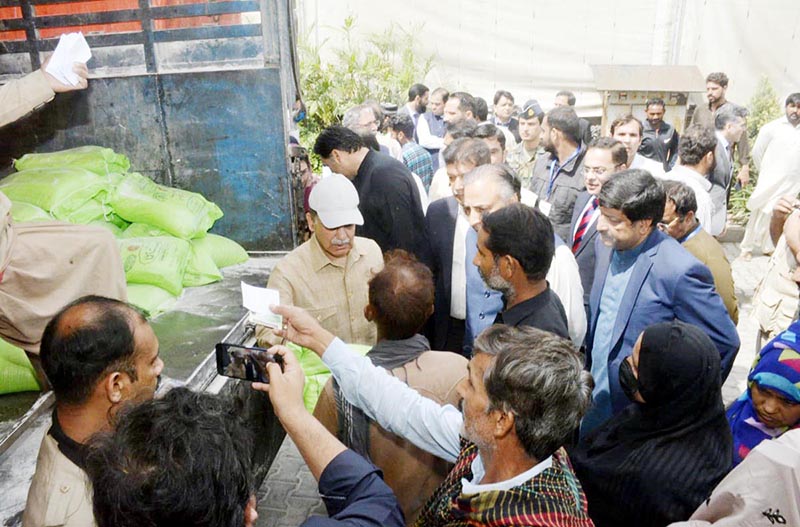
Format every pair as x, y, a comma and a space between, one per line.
258, 300
66, 68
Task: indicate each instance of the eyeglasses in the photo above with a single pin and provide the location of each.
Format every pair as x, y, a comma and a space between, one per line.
594, 171
664, 227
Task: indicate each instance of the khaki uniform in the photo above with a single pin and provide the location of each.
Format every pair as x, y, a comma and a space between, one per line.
708, 250
334, 293
775, 298
60, 492
46, 265
21, 96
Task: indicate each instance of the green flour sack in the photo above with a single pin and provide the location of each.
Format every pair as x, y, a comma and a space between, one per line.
222, 250
201, 269
181, 213
151, 299
160, 261
60, 191
23, 212
101, 161
16, 372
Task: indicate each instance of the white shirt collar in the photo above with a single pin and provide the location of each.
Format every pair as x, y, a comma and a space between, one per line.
721, 139
478, 472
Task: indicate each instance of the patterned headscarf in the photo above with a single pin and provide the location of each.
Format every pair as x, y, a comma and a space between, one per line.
777, 368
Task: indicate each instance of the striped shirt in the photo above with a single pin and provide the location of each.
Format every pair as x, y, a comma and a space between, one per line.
419, 161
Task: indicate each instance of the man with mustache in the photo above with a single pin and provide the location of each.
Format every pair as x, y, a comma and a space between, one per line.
328, 274
98, 354
716, 88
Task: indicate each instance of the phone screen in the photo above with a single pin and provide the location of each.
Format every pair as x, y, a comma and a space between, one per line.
241, 362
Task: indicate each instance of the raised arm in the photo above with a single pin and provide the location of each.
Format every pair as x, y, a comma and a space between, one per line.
21, 96
384, 398
352, 488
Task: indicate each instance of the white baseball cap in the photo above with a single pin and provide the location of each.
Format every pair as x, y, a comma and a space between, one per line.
335, 200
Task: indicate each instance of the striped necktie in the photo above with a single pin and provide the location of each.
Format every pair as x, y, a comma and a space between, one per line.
583, 225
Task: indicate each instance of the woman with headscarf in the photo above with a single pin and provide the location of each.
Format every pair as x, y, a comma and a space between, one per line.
657, 460
771, 403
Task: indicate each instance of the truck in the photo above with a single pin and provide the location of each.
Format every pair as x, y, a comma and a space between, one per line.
197, 93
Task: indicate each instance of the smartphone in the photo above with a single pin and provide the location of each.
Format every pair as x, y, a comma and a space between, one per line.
242, 362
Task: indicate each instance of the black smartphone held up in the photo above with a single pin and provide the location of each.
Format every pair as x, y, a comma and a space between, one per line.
241, 362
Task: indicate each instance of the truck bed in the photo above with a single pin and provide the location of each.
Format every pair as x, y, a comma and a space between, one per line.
187, 334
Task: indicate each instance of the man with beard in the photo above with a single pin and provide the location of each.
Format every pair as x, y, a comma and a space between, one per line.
697, 150
459, 106
567, 99
517, 267
416, 105
658, 130
98, 353
488, 189
328, 274
716, 87
557, 176
777, 157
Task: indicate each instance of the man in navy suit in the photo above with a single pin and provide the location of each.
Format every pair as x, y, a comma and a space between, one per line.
604, 158
647, 278
446, 227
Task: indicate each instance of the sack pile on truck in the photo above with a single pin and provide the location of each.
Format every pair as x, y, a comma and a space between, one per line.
162, 232
16, 372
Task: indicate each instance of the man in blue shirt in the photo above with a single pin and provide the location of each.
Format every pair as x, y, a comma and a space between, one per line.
647, 278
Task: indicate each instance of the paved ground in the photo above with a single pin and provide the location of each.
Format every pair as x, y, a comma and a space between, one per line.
289, 494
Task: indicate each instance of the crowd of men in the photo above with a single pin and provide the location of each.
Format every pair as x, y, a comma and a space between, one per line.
531, 292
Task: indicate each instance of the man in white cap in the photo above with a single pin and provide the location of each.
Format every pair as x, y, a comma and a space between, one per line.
328, 274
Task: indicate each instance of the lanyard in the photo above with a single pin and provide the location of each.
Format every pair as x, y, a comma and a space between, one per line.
555, 168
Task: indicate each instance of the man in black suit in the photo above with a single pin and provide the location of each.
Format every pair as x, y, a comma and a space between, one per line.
388, 197
730, 123
605, 157
446, 229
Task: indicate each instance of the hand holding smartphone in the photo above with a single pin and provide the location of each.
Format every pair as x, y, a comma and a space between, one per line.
246, 363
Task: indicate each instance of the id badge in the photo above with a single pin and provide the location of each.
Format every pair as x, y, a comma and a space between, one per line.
545, 207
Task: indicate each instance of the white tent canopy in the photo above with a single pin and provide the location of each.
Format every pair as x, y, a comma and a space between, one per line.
536, 48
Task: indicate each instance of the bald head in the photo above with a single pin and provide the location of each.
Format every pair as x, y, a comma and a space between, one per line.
86, 339
401, 296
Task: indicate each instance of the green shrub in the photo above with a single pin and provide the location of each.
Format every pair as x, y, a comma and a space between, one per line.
381, 66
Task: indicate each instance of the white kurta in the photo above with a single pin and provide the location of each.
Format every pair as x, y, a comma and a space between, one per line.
776, 155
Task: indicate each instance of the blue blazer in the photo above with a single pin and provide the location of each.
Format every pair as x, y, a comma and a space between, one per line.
667, 283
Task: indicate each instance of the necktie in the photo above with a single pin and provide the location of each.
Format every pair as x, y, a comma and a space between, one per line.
583, 225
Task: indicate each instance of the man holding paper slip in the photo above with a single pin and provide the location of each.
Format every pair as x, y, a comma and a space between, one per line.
65, 70
328, 274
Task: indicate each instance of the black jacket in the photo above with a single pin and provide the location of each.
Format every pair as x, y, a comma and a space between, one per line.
390, 204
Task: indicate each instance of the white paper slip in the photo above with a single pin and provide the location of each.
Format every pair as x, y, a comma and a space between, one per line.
258, 300
71, 48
